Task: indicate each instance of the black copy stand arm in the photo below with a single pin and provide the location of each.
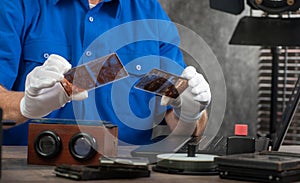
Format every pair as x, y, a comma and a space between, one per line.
274, 89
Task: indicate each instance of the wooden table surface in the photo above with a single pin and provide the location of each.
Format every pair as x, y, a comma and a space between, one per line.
15, 169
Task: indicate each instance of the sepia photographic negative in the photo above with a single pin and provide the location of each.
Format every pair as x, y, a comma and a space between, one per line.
162, 83
94, 74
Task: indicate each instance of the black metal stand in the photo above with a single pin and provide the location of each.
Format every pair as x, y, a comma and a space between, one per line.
268, 31
274, 89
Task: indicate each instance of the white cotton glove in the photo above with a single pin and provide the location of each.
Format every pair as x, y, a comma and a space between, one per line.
189, 105
43, 90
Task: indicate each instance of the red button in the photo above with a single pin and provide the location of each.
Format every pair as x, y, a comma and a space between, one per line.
241, 129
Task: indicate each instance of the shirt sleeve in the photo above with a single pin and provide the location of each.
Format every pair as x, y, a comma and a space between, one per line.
11, 26
170, 47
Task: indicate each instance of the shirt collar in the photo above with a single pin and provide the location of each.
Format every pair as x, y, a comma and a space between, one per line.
54, 1
118, 8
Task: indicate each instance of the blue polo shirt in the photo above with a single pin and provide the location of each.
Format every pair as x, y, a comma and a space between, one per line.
139, 31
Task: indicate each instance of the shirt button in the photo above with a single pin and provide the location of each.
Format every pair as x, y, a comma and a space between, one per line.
91, 19
88, 53
138, 67
46, 55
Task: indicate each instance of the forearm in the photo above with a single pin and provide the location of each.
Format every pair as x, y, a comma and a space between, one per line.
172, 120
10, 104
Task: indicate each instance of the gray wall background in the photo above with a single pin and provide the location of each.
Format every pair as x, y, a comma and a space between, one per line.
239, 63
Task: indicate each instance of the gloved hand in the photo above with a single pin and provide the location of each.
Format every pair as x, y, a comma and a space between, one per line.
190, 103
43, 90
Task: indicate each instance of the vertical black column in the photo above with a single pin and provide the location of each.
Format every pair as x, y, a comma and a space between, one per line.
274, 90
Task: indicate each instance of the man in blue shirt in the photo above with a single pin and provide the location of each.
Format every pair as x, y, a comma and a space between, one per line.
41, 40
